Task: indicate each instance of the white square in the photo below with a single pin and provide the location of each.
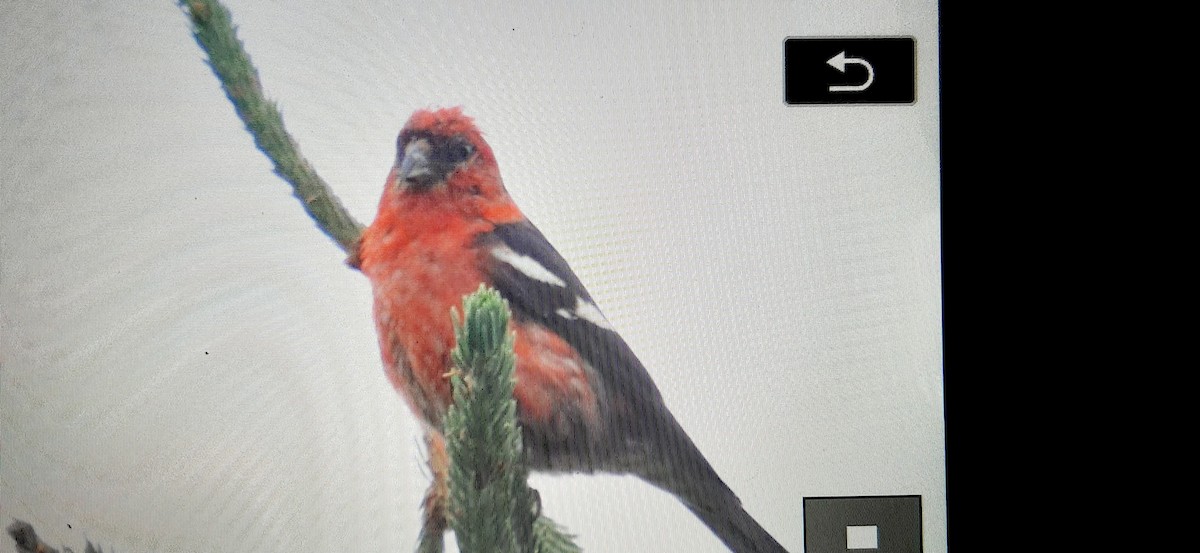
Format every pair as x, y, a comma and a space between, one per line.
862, 537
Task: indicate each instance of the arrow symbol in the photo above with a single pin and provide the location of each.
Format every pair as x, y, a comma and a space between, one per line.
839, 62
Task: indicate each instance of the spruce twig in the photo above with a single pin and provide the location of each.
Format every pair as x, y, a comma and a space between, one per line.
216, 34
492, 507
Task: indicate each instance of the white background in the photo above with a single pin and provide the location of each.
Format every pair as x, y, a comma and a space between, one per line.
187, 365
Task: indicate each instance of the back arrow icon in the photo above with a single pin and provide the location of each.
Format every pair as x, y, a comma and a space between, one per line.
839, 62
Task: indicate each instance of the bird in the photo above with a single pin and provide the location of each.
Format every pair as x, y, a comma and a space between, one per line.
445, 225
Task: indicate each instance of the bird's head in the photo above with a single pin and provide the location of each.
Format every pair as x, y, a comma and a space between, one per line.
442, 150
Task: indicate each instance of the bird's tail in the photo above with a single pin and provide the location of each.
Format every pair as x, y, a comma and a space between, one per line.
699, 487
727, 519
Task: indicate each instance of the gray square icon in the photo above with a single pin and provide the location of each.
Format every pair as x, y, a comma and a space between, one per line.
870, 524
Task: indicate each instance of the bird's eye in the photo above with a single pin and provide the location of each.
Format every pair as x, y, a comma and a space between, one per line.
457, 151
453, 151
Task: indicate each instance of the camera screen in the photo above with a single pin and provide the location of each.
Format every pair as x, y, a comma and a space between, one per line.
716, 227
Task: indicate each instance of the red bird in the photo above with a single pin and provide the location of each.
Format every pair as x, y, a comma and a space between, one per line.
585, 403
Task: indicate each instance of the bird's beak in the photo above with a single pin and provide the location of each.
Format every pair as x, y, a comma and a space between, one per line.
416, 168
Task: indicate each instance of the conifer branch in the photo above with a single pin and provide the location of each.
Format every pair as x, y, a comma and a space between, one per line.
216, 34
492, 507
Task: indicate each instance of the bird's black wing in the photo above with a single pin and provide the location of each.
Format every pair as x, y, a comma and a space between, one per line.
541, 287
